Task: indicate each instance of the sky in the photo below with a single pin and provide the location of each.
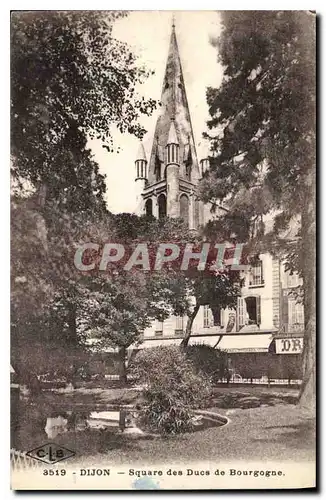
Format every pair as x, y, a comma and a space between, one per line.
148, 33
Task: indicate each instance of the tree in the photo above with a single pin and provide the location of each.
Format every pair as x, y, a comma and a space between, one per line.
69, 79
122, 303
262, 138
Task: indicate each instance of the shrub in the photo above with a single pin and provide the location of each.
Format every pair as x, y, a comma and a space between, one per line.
212, 363
172, 388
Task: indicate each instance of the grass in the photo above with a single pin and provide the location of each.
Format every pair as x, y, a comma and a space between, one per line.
264, 434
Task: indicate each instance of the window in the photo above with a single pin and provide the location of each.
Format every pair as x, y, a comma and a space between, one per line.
218, 317
158, 169
256, 274
179, 325
184, 208
188, 171
249, 311
293, 280
208, 319
161, 206
159, 329
296, 312
149, 207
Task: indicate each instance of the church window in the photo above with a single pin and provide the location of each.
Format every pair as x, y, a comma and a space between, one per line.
161, 206
188, 171
158, 172
149, 207
184, 208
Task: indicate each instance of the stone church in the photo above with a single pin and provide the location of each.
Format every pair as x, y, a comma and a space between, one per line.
166, 184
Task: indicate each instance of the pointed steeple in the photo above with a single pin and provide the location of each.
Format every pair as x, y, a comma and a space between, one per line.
174, 106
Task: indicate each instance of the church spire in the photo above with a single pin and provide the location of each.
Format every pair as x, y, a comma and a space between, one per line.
174, 106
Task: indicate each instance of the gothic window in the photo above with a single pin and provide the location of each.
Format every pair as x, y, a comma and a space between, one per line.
161, 206
184, 208
196, 215
188, 171
149, 207
158, 170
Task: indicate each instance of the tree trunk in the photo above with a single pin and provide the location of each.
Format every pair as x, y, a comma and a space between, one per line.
123, 368
219, 340
308, 387
190, 322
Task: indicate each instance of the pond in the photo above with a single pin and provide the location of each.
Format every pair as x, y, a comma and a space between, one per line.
89, 432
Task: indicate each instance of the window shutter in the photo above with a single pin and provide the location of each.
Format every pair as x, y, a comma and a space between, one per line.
258, 310
241, 312
285, 311
179, 323
222, 318
291, 312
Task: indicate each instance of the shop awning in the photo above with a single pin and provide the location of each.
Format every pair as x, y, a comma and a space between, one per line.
246, 343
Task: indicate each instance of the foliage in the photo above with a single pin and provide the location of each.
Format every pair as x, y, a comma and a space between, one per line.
70, 78
209, 361
173, 389
262, 139
263, 124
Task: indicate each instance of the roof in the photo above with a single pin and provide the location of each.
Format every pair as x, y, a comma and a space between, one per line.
141, 155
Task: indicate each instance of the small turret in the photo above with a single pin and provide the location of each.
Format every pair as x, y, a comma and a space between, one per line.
172, 146
204, 166
141, 163
141, 178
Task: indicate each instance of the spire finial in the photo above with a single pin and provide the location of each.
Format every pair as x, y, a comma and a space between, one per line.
173, 22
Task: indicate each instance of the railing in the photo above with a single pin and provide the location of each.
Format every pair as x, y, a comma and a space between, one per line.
258, 381
19, 460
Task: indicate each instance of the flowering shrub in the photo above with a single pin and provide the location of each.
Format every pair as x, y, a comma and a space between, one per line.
172, 388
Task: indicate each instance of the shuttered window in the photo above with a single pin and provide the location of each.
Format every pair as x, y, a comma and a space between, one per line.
241, 313
296, 312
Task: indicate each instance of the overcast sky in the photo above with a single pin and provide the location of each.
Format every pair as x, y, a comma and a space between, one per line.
148, 33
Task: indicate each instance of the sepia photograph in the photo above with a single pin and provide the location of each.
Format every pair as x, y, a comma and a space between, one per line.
163, 250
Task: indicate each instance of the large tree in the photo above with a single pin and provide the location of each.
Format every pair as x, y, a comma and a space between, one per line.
262, 138
70, 79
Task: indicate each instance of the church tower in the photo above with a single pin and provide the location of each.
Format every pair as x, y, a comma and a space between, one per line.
170, 180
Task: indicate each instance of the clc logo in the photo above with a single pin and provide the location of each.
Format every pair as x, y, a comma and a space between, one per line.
50, 453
